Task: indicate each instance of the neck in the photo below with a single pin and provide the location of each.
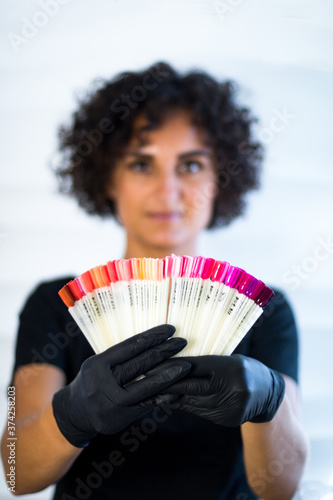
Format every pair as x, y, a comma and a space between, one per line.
135, 249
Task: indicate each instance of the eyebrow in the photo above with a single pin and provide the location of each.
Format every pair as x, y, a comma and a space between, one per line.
198, 152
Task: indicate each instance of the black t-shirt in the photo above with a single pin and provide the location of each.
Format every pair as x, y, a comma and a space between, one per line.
168, 454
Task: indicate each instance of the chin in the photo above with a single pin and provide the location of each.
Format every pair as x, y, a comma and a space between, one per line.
166, 247
167, 242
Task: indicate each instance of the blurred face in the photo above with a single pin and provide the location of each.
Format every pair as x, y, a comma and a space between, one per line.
164, 187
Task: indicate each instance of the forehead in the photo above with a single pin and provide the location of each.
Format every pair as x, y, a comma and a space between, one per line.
175, 127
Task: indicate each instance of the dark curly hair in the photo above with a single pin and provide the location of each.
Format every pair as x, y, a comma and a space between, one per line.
102, 128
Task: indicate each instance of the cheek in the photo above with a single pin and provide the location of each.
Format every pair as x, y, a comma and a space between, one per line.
125, 201
202, 196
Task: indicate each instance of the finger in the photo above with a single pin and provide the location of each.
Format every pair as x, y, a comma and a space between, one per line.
133, 346
184, 405
168, 399
153, 384
147, 360
190, 386
201, 365
167, 362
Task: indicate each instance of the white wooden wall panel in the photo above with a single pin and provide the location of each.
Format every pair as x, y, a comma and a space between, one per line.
280, 52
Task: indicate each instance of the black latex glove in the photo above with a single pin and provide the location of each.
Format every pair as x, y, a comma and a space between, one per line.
103, 398
228, 390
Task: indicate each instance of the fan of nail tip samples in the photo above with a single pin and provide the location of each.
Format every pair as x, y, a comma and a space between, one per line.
211, 303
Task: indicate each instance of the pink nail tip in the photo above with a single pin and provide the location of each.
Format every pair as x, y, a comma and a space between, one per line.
208, 268
246, 283
112, 271
223, 271
195, 267
220, 270
176, 266
127, 270
185, 267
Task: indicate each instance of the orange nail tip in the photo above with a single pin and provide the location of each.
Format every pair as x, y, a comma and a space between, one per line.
66, 296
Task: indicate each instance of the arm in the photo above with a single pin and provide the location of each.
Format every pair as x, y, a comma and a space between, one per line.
241, 391
103, 398
37, 431
275, 452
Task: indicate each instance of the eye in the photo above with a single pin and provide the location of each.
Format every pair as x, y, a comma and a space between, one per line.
191, 167
139, 166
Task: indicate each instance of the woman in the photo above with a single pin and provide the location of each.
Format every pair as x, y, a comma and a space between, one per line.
169, 155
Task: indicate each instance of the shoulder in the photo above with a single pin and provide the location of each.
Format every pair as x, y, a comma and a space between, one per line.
47, 332
273, 339
278, 314
50, 287
45, 294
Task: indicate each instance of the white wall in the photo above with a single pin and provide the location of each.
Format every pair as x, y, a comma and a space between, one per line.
280, 52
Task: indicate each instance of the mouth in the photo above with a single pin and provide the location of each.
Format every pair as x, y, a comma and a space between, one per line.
164, 216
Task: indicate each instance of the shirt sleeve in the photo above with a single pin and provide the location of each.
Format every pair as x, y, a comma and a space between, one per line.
48, 334
273, 339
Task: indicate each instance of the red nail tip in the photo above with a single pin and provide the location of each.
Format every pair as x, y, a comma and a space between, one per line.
76, 292
112, 271
264, 297
86, 282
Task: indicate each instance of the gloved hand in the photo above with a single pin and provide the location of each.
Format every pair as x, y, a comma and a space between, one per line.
103, 398
228, 390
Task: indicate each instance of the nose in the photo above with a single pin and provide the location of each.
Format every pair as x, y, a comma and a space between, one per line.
168, 185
